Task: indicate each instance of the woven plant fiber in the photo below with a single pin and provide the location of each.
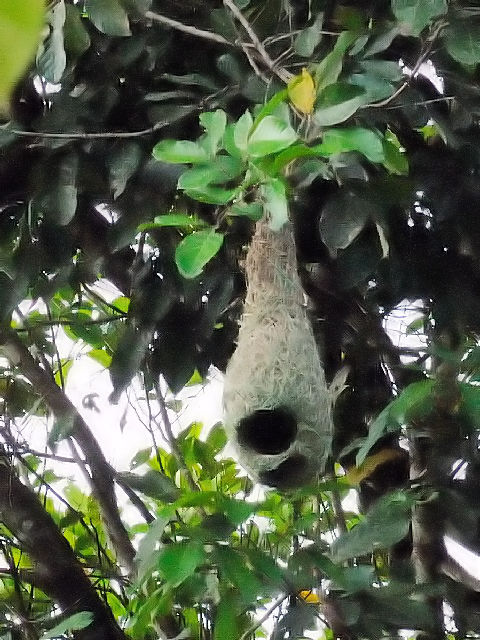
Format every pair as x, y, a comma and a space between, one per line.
275, 377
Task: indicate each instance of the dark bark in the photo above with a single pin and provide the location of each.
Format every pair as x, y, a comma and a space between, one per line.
57, 571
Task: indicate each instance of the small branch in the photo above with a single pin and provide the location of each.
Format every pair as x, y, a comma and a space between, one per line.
88, 136
283, 74
185, 28
251, 630
170, 435
434, 35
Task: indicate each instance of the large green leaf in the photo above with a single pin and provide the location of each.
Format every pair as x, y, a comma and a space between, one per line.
178, 561
463, 42
21, 23
337, 103
306, 41
76, 37
195, 250
417, 14
180, 152
226, 625
386, 523
108, 16
365, 141
221, 170
270, 136
329, 69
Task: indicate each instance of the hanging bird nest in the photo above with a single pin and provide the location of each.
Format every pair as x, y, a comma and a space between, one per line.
277, 403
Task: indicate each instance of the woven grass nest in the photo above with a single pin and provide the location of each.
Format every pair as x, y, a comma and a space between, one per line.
276, 401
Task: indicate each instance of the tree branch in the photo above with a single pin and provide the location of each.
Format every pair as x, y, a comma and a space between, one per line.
88, 136
57, 571
283, 74
185, 28
102, 477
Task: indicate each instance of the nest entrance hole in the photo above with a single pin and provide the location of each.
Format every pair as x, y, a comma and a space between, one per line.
267, 431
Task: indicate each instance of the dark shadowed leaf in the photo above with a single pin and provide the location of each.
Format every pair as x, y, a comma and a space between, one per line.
153, 484
417, 14
386, 523
337, 103
463, 42
342, 219
226, 625
122, 163
75, 622
108, 16
76, 37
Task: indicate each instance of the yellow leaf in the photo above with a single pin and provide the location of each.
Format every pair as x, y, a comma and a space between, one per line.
355, 475
310, 597
21, 23
301, 91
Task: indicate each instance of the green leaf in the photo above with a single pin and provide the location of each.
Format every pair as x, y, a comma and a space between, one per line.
76, 37
146, 558
270, 136
178, 561
180, 220
463, 42
237, 511
108, 16
221, 170
51, 57
252, 210
306, 41
214, 123
226, 625
365, 141
75, 622
395, 161
417, 14
21, 23
179, 152
414, 401
153, 484
59, 202
386, 523
195, 250
241, 132
217, 438
122, 163
337, 103
275, 205
270, 107
233, 566
62, 428
329, 69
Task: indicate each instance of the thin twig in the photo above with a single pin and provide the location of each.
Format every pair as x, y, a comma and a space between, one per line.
185, 28
283, 74
251, 630
423, 56
88, 136
170, 435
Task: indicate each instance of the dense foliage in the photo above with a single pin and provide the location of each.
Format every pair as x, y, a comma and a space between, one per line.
140, 148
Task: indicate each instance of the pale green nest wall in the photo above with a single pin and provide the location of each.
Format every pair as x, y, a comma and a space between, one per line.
276, 363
